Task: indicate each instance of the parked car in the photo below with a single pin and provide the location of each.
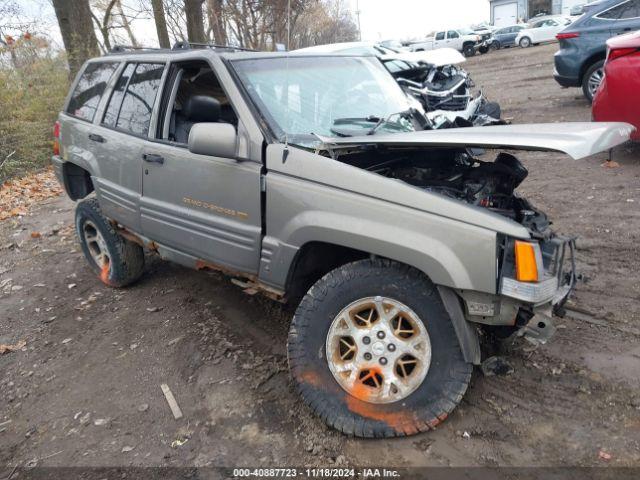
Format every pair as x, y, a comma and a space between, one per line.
617, 97
463, 39
582, 52
432, 77
304, 176
506, 36
542, 30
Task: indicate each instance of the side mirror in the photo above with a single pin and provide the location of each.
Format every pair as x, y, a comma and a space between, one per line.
214, 139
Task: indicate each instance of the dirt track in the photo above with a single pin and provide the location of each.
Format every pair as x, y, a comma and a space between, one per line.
86, 392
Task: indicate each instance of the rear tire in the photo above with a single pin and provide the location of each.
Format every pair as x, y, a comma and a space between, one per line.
115, 260
389, 292
592, 79
525, 42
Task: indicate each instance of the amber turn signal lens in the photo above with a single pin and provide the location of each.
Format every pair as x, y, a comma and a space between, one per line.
526, 266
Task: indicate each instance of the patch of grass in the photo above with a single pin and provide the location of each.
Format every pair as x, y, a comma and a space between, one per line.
33, 85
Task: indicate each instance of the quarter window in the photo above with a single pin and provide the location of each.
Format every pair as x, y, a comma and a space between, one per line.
88, 92
131, 104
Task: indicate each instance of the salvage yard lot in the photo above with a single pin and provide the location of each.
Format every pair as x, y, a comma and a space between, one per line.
85, 391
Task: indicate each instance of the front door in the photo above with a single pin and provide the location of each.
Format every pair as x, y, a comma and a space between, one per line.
205, 207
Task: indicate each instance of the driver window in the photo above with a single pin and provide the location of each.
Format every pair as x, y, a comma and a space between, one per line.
440, 36
453, 34
196, 96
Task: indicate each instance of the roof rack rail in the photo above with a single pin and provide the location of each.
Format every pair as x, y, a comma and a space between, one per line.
124, 48
188, 45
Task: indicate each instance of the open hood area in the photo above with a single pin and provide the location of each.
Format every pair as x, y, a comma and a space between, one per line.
577, 139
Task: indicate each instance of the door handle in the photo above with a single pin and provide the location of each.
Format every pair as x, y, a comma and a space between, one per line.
96, 138
153, 158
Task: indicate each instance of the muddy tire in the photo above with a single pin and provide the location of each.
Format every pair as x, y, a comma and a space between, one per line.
592, 79
116, 261
342, 376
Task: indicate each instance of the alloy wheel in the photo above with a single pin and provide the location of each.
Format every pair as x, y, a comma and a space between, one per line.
96, 245
378, 350
595, 80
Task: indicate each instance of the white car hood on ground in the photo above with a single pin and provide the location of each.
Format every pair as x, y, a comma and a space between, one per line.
577, 139
438, 58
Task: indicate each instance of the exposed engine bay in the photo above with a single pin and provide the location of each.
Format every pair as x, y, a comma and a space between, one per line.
460, 175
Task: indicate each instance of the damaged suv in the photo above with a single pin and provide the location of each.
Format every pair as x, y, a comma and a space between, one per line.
307, 177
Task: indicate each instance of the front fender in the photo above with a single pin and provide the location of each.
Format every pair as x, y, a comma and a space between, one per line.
449, 252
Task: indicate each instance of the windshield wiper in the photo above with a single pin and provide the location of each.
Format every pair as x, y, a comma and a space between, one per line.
377, 121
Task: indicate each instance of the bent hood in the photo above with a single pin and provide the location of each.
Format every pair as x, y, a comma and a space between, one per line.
577, 139
437, 58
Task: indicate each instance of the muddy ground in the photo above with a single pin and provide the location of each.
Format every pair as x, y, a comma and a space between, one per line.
85, 391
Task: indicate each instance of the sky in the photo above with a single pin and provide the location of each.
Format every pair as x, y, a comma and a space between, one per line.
379, 19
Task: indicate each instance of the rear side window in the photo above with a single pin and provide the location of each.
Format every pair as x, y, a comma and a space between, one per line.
111, 115
440, 36
88, 92
628, 9
131, 104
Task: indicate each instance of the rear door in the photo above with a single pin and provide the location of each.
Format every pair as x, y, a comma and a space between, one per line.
119, 138
207, 209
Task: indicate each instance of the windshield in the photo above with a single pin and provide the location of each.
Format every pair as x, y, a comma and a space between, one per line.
466, 31
301, 97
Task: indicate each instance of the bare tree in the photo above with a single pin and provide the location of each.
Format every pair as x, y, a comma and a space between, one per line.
104, 25
76, 27
161, 23
217, 26
195, 20
124, 21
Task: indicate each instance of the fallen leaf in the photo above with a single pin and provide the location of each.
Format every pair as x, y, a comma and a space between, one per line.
12, 348
604, 455
36, 235
610, 164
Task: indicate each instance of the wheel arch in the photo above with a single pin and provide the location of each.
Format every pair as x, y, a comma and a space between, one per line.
586, 65
76, 180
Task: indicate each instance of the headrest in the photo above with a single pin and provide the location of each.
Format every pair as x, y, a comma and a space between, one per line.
201, 108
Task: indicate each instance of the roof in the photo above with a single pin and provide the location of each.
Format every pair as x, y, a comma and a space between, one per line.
229, 52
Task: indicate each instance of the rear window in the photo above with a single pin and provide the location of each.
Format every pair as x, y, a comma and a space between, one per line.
133, 98
88, 92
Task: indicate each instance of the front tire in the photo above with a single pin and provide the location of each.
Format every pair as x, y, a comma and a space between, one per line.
592, 80
495, 45
468, 50
525, 42
406, 378
116, 261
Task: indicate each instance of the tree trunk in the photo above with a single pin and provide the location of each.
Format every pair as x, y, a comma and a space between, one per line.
76, 27
161, 23
195, 21
126, 25
216, 21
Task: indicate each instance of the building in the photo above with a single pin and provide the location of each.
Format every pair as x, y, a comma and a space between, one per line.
509, 12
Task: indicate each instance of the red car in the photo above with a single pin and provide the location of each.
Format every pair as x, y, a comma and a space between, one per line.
618, 97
